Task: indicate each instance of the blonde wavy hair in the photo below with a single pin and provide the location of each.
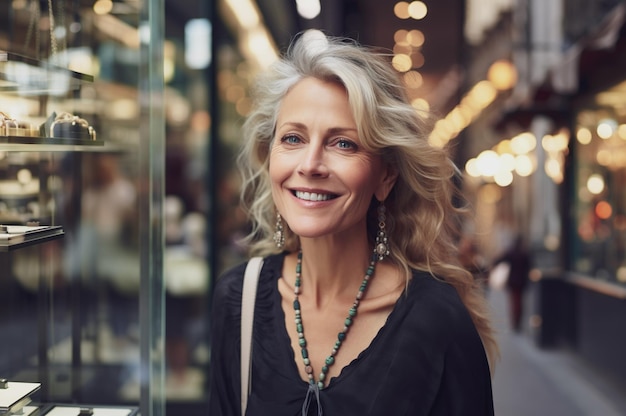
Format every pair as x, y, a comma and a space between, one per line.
423, 221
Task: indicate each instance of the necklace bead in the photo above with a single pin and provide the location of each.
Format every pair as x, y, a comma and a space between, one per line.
341, 336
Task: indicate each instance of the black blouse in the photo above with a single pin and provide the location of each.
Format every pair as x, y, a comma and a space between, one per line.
426, 360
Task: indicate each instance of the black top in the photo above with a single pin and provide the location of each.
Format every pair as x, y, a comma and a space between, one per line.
426, 360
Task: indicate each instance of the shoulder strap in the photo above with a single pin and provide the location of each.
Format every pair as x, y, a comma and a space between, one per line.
248, 297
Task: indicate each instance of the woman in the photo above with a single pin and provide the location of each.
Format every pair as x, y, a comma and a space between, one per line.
362, 307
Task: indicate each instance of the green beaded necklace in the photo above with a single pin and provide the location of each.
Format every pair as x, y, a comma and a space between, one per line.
330, 360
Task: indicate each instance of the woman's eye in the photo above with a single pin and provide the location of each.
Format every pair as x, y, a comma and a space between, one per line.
346, 144
291, 139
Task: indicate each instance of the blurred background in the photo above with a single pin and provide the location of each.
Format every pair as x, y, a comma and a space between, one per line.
528, 96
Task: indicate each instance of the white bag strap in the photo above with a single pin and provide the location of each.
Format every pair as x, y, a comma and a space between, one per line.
248, 297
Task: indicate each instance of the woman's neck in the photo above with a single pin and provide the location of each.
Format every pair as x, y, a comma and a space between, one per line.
333, 270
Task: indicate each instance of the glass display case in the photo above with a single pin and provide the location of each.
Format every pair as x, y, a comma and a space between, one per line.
81, 178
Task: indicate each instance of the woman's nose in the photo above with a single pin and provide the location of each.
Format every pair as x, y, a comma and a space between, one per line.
313, 162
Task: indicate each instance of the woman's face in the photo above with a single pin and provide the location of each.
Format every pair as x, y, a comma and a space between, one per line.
322, 178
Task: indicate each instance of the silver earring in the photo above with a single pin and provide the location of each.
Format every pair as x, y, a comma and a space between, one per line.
382, 242
279, 233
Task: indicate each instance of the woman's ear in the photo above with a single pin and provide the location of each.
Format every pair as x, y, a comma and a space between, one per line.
387, 183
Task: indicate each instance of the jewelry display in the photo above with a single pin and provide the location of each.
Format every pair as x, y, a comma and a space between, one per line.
64, 125
279, 233
49, 113
71, 126
330, 360
382, 242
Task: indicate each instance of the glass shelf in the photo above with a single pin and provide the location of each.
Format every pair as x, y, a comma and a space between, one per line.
28, 76
53, 141
31, 238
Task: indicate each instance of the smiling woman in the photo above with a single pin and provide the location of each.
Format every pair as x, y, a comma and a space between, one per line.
361, 300
316, 151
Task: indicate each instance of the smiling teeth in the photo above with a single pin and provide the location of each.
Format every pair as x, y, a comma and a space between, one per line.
311, 196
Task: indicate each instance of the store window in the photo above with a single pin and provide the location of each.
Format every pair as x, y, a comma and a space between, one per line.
599, 216
81, 96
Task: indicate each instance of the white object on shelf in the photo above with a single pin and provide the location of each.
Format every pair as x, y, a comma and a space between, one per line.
15, 396
97, 411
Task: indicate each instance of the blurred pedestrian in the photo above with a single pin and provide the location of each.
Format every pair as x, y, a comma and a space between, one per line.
518, 258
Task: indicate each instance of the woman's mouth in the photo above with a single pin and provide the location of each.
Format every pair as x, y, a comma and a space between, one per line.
313, 196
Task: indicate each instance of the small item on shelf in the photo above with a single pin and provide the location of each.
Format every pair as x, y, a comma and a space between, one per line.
67, 125
85, 411
45, 130
4, 383
26, 129
3, 230
7, 124
12, 127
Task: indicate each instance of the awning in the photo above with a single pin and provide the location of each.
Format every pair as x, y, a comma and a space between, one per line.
602, 48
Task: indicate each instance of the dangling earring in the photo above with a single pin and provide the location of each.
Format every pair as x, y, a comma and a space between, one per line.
279, 234
382, 242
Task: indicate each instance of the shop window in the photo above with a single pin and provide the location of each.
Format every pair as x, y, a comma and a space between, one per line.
598, 219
